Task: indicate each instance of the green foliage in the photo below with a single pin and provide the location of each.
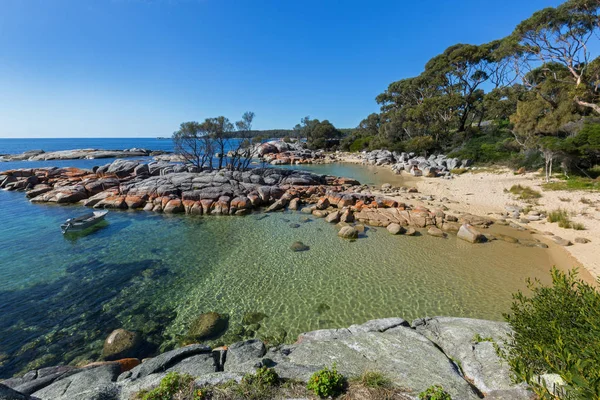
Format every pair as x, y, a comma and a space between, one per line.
326, 382
374, 380
557, 330
173, 386
492, 147
420, 144
525, 192
435, 392
459, 171
575, 183
264, 376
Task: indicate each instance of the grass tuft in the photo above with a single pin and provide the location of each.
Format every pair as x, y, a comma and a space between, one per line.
525, 192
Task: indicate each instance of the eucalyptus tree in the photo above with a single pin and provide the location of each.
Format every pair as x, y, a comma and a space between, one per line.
562, 35
544, 111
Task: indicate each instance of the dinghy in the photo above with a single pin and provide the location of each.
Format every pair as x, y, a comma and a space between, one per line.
83, 222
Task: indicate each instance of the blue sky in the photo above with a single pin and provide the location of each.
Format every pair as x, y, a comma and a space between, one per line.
100, 68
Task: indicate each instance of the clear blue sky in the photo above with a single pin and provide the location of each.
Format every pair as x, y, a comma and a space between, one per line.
95, 68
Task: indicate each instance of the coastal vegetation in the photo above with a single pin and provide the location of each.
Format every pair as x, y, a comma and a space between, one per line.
528, 99
557, 331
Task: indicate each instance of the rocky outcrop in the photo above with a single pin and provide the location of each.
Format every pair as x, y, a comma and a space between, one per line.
163, 187
433, 166
470, 343
456, 353
158, 187
278, 152
41, 155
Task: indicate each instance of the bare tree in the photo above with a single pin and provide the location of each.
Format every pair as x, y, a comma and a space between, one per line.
242, 155
193, 144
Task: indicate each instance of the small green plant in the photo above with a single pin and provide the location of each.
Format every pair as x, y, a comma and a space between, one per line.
173, 386
459, 171
525, 192
561, 216
578, 226
327, 382
264, 376
374, 380
556, 330
435, 392
478, 339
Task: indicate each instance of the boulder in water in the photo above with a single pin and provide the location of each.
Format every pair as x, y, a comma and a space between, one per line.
121, 343
208, 325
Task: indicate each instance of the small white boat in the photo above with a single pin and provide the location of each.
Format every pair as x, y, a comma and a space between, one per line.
83, 222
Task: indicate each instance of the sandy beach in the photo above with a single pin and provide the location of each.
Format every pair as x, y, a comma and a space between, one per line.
486, 193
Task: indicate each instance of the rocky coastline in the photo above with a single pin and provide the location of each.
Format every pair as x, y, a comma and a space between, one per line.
174, 188
79, 154
457, 353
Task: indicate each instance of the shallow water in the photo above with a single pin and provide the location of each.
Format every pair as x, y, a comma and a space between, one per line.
61, 297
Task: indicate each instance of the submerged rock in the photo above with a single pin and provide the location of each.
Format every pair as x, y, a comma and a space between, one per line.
121, 344
208, 325
299, 246
436, 232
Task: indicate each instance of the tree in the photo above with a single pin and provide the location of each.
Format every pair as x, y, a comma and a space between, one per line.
544, 111
319, 135
193, 144
220, 130
561, 36
242, 155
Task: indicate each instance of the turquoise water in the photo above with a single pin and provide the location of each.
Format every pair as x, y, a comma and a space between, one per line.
60, 297
155, 273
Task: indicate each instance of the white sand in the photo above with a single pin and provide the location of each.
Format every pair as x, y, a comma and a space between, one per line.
483, 193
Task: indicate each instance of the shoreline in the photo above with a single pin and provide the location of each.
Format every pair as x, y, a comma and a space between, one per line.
485, 194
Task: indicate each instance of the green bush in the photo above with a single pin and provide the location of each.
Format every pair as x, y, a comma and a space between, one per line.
173, 386
435, 392
327, 382
360, 144
557, 330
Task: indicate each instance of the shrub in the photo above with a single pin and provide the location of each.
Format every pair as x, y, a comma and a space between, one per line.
172, 386
557, 330
327, 382
525, 192
373, 379
435, 392
360, 144
562, 217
